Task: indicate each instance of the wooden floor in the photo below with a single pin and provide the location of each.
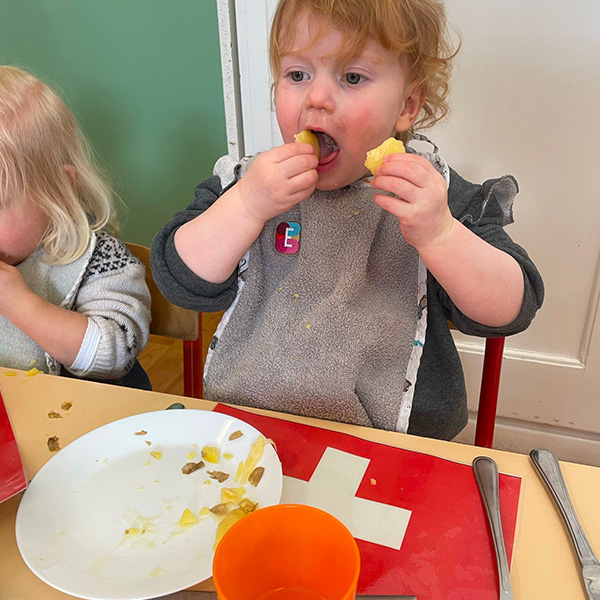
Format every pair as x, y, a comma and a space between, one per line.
163, 357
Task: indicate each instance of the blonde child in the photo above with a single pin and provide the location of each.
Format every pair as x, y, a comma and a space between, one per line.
73, 298
339, 285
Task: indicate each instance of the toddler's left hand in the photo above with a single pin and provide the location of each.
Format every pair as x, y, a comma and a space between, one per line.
14, 289
421, 204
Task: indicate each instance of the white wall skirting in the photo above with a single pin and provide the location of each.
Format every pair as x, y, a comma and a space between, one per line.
521, 437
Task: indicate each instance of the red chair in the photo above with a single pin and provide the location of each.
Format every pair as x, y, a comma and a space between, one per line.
488, 394
173, 321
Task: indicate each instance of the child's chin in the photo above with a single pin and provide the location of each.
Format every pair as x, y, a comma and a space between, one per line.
333, 180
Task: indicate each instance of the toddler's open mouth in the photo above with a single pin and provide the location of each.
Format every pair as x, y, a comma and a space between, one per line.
328, 146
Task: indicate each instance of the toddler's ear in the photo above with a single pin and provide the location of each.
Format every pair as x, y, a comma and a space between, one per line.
412, 107
71, 172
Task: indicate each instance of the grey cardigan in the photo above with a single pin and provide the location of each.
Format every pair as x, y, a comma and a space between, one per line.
439, 405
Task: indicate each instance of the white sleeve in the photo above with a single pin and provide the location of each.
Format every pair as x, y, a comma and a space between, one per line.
89, 347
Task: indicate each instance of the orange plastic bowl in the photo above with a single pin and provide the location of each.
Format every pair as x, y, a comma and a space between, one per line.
284, 552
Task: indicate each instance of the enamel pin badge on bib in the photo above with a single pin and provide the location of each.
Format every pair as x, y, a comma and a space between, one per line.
287, 237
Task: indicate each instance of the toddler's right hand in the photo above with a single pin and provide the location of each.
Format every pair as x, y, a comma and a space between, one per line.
278, 179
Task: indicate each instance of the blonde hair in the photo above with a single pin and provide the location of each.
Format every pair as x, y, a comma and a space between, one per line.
416, 29
45, 156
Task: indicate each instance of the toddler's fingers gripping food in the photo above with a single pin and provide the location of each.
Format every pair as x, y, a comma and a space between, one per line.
308, 137
375, 157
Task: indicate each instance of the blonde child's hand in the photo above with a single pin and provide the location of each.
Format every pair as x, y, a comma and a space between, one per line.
14, 289
420, 198
279, 179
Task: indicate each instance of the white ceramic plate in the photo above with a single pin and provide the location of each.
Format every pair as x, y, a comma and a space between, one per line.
72, 520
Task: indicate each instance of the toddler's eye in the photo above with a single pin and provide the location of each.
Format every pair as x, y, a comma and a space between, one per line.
297, 76
353, 78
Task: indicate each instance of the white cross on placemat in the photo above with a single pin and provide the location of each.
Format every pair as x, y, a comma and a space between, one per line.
332, 488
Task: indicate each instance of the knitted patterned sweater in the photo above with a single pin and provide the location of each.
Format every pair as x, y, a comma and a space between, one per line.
107, 285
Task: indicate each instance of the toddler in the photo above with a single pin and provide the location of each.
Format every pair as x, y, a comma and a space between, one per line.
74, 299
338, 285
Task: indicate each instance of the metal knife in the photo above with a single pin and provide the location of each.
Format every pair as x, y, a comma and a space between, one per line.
486, 474
549, 469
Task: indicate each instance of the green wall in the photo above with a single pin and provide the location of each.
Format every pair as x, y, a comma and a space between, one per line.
143, 78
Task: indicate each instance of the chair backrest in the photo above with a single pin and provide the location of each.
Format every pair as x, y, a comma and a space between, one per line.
167, 319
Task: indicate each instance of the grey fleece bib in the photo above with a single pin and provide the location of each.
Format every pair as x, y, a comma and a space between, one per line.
330, 318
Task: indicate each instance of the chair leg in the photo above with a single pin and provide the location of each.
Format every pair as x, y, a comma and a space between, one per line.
193, 365
488, 398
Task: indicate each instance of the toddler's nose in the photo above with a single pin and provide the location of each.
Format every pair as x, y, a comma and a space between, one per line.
320, 97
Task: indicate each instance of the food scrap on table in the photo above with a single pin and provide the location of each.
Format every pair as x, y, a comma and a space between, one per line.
156, 454
10, 373
142, 432
54, 415
66, 405
53, 444
235, 435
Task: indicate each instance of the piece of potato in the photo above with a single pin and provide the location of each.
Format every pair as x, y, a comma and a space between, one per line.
308, 137
210, 454
375, 157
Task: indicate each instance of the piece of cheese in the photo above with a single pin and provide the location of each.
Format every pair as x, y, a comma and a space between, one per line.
375, 157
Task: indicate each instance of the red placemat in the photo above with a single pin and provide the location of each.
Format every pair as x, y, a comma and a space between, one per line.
447, 551
12, 476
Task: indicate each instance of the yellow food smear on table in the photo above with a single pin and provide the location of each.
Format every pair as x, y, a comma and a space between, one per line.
227, 455
204, 512
308, 137
375, 157
10, 374
156, 454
